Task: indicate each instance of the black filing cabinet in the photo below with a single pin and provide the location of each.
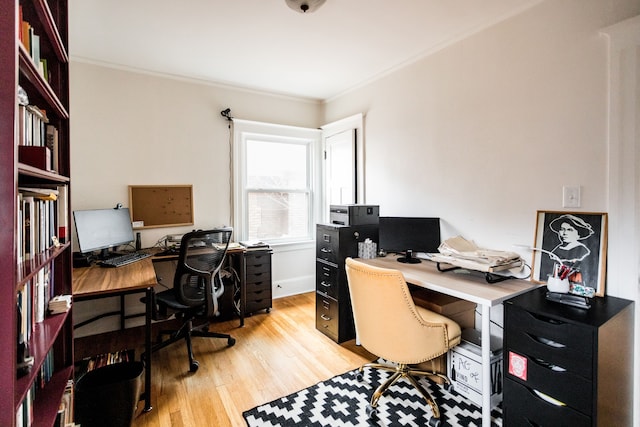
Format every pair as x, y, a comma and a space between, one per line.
567, 366
256, 270
334, 243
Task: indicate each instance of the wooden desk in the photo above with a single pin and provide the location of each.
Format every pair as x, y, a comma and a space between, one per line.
470, 287
96, 282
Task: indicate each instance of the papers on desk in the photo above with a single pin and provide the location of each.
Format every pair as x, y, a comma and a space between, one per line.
463, 253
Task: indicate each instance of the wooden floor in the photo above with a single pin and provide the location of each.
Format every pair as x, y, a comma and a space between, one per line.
275, 354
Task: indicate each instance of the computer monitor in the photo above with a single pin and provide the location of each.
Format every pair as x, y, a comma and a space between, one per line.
401, 234
102, 229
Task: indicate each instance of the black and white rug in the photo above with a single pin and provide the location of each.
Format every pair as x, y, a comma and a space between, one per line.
342, 401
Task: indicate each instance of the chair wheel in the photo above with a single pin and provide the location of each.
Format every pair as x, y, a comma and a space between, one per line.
194, 366
435, 422
359, 376
448, 386
231, 341
371, 411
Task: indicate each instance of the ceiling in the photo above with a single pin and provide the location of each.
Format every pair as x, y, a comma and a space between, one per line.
263, 45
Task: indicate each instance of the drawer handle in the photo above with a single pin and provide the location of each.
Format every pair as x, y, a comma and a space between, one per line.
547, 341
546, 319
324, 317
325, 284
549, 366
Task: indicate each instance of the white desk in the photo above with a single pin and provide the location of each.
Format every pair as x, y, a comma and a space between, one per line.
470, 287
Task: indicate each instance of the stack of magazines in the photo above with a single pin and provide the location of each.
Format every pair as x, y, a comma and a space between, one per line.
463, 253
60, 304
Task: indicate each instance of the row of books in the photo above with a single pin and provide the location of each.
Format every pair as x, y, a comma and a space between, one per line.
65, 410
64, 417
31, 42
42, 214
33, 300
37, 139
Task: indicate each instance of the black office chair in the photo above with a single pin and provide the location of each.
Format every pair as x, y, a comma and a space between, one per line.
196, 288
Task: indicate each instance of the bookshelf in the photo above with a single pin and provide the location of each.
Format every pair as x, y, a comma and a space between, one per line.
34, 57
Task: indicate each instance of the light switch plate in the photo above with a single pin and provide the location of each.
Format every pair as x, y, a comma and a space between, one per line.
571, 196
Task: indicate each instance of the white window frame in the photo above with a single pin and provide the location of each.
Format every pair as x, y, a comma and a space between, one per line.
244, 130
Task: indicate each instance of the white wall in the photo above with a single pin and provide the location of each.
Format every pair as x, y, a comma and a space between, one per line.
487, 131
133, 128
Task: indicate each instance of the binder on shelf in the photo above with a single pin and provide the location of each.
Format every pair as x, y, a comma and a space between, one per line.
38, 157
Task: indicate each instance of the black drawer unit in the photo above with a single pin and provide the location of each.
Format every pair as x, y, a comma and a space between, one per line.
566, 366
257, 281
334, 243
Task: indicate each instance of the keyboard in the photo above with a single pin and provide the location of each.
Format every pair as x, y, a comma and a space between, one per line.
125, 259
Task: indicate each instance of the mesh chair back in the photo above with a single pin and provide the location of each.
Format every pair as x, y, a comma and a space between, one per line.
201, 256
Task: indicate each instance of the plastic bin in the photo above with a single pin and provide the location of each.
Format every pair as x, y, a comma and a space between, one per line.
108, 396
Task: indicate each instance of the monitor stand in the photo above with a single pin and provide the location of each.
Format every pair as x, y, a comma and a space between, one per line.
408, 258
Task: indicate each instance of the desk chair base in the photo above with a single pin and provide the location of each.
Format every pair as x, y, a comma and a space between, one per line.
186, 332
402, 370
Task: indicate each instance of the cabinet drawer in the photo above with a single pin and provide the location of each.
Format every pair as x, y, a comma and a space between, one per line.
563, 385
558, 343
259, 268
258, 259
258, 301
523, 407
327, 246
260, 277
258, 286
327, 316
327, 279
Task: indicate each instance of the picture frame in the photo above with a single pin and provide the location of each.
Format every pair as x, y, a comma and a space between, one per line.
577, 240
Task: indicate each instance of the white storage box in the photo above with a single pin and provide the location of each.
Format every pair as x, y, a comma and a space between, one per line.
464, 368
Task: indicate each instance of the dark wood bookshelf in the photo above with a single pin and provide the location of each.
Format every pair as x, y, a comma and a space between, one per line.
51, 339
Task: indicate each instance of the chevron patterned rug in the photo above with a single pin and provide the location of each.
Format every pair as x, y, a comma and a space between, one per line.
342, 401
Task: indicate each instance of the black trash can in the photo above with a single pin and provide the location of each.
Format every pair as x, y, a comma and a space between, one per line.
108, 396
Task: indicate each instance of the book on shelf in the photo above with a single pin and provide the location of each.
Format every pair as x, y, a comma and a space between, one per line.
28, 225
63, 214
64, 417
52, 144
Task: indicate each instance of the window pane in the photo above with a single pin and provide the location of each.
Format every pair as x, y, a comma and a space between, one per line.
276, 165
278, 215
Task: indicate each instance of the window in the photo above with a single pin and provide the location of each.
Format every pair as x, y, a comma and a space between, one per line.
276, 189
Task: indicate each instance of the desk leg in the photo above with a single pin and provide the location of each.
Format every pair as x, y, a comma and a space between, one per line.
147, 350
486, 365
122, 316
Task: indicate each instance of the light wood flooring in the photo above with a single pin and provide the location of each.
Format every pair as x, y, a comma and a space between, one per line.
275, 354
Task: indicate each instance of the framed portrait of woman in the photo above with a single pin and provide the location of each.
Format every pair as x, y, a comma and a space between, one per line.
573, 244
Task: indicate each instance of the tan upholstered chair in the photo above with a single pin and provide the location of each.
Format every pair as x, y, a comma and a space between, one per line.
389, 325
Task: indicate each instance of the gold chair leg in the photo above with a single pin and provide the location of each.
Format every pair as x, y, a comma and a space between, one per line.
430, 374
399, 371
425, 394
383, 387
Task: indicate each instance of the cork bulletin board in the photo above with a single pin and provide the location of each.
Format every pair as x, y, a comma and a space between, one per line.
161, 205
